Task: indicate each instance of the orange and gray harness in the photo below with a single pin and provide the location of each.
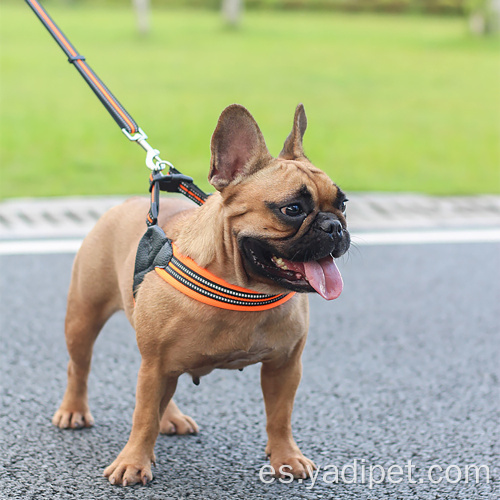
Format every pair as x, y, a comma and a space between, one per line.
186, 276
155, 250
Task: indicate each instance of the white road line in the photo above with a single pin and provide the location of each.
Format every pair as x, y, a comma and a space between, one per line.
428, 237
24, 247
31, 247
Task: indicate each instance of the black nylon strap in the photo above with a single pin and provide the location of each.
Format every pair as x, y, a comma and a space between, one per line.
121, 117
115, 109
154, 207
190, 189
172, 182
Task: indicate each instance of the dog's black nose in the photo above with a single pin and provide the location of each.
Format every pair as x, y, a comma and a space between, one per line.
337, 228
331, 226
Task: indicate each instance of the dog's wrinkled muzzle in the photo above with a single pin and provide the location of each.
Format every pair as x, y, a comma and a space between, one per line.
329, 224
330, 237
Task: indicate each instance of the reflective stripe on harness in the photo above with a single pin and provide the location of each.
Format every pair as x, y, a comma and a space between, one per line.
196, 282
157, 252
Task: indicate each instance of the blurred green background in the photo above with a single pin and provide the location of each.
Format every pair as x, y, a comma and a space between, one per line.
395, 102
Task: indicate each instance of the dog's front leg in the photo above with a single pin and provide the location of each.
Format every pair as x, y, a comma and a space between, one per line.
279, 380
154, 391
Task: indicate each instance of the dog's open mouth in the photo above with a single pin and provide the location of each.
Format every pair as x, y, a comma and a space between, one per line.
320, 275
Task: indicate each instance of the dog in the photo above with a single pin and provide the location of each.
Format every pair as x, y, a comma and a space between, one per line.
273, 227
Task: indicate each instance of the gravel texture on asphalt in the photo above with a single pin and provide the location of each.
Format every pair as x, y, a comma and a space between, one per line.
403, 366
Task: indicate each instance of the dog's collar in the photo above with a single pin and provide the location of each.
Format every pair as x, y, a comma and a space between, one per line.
158, 252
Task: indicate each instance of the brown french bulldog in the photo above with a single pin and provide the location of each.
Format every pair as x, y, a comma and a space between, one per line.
274, 226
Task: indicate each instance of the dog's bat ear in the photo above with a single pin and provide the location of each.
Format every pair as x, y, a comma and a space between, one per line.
238, 147
292, 148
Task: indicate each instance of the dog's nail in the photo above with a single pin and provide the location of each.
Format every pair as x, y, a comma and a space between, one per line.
172, 429
304, 475
125, 482
240, 369
196, 380
144, 481
112, 480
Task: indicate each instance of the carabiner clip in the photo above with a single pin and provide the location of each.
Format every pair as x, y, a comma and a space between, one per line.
153, 160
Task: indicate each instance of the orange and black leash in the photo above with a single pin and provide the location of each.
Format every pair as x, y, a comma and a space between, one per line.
174, 181
155, 250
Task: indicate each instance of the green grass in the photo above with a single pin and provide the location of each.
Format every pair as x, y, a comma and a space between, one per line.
394, 103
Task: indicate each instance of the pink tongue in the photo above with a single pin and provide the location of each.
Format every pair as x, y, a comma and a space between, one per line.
323, 275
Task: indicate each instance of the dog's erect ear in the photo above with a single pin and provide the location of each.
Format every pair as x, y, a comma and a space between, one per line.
238, 147
293, 144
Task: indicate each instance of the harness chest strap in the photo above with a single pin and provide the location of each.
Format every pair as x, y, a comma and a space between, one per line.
158, 252
186, 276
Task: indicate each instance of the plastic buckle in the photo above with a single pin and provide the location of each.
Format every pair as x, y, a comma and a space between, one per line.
169, 183
73, 59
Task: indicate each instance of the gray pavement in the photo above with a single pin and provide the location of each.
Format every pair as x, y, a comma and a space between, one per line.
75, 216
403, 366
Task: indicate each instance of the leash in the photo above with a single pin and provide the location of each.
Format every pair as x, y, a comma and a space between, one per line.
172, 182
155, 250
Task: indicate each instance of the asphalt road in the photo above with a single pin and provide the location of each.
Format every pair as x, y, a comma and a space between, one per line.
403, 366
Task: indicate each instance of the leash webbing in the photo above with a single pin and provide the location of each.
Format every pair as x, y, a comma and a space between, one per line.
174, 180
121, 117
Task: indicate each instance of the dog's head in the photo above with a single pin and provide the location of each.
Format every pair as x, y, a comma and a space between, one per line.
285, 216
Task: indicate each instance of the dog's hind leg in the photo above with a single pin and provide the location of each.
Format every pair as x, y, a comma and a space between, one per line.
174, 421
88, 309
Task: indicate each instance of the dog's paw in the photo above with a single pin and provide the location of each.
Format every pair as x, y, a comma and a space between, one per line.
72, 419
178, 424
298, 465
173, 421
128, 469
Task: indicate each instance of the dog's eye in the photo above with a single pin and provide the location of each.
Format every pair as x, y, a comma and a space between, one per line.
293, 210
343, 206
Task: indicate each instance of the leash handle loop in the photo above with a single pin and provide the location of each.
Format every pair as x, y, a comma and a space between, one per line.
121, 117
172, 182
